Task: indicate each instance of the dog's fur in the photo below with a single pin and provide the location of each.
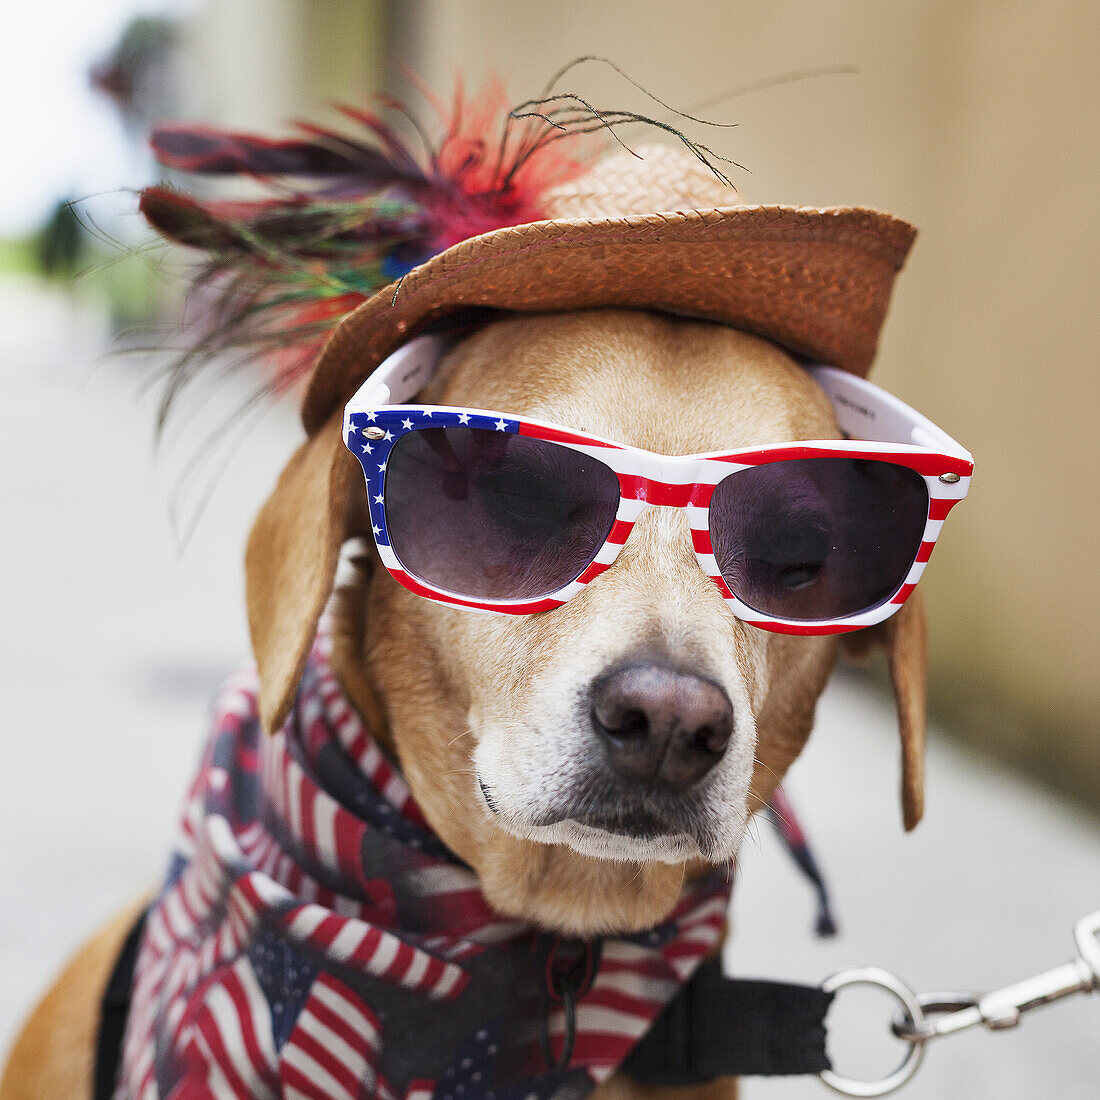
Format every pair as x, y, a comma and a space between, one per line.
461, 698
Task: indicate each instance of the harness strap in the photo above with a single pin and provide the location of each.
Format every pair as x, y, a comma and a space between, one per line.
717, 1027
714, 1027
114, 1008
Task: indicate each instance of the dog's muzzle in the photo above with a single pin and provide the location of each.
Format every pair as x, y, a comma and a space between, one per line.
656, 735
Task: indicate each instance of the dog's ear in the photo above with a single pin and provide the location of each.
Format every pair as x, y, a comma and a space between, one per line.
290, 563
904, 636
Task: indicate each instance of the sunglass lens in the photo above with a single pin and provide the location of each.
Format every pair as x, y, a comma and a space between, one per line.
495, 515
817, 538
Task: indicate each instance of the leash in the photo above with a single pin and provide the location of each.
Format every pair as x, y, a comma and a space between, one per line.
719, 1027
933, 1015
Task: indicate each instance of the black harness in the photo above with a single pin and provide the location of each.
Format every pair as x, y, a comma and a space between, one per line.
714, 1027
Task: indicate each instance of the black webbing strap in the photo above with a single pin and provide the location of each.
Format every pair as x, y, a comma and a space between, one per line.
718, 1027
714, 1027
114, 1007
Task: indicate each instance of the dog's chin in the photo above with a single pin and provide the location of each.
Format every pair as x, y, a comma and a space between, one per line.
621, 828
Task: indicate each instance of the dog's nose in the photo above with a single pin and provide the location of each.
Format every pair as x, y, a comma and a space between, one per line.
659, 726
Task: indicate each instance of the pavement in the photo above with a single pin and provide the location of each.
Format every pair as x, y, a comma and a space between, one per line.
116, 641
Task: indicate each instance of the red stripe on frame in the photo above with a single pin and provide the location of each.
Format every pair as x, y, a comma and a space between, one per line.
904, 593
938, 507
561, 435
620, 531
810, 629
635, 487
722, 587
805, 630
928, 465
925, 551
594, 570
701, 541
530, 608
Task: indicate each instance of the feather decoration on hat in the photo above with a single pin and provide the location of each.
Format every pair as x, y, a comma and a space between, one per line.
345, 214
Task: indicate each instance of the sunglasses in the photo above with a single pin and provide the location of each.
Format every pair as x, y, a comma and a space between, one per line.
497, 512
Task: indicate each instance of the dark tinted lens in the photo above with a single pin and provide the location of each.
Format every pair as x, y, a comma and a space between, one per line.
494, 514
817, 538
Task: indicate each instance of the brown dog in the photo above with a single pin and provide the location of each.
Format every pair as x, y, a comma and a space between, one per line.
451, 693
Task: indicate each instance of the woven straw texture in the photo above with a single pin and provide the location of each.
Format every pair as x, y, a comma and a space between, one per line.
648, 179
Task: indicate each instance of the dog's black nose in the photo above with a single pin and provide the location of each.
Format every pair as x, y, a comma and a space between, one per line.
661, 727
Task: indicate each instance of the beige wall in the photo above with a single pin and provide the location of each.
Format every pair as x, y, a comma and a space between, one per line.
977, 121
259, 63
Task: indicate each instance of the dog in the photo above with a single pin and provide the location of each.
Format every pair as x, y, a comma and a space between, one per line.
484, 829
444, 688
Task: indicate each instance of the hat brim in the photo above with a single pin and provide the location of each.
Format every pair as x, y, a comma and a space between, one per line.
816, 281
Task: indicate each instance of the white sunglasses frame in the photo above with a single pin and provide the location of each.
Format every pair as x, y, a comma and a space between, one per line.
879, 426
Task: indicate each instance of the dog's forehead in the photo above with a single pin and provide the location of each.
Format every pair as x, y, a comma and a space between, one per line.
652, 381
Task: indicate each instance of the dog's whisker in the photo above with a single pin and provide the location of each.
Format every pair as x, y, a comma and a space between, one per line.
761, 804
752, 832
771, 771
467, 732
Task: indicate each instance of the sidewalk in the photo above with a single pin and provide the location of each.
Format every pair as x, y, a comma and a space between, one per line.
115, 643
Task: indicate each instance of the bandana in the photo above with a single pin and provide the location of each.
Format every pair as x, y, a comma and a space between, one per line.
315, 940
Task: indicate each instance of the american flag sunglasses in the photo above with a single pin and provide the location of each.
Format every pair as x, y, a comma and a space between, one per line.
496, 512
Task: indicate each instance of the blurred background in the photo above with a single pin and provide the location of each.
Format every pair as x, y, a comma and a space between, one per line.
974, 120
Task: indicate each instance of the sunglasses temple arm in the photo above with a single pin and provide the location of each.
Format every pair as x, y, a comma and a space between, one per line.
864, 411
404, 374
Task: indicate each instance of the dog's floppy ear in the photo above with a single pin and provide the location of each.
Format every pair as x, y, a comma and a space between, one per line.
290, 563
904, 636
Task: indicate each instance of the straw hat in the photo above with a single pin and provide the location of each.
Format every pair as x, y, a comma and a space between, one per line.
656, 230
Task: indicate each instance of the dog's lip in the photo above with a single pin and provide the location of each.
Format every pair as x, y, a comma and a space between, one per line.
636, 822
632, 819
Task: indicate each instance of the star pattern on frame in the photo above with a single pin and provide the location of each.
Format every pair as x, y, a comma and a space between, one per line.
393, 422
390, 424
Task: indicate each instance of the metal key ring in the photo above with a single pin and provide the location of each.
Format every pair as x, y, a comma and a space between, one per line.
882, 979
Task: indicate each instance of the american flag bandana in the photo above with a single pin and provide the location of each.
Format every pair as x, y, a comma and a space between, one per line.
314, 940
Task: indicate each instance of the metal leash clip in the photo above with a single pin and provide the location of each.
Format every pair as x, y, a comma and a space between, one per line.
932, 1015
